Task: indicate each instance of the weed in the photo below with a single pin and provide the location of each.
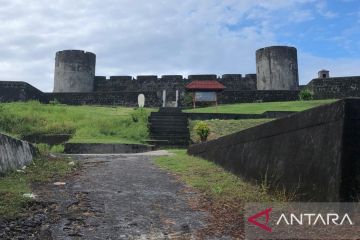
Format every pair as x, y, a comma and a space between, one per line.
219, 128
57, 148
211, 179
85, 123
258, 108
306, 95
14, 184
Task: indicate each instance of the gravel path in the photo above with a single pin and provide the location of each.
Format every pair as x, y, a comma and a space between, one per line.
120, 197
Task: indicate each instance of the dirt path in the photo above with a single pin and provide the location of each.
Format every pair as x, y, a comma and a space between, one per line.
120, 197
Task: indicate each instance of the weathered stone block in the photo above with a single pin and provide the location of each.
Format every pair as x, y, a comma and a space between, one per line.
202, 77
14, 153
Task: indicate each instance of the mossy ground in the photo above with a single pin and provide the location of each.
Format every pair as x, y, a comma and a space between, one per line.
220, 128
257, 108
88, 124
214, 181
15, 184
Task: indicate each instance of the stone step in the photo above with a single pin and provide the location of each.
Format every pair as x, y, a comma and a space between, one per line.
170, 138
168, 114
165, 132
184, 133
165, 135
173, 142
167, 126
165, 143
170, 110
157, 119
167, 118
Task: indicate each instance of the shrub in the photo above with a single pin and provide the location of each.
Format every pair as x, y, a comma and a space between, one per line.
188, 99
139, 115
305, 95
202, 130
43, 148
57, 148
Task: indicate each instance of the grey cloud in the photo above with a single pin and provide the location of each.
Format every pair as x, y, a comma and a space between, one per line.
135, 37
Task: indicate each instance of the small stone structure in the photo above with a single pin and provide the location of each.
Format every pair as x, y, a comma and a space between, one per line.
323, 74
314, 153
14, 154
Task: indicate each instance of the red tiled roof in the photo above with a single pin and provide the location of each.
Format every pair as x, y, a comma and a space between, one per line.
205, 85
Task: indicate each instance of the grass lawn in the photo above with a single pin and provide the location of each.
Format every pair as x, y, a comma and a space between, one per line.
14, 184
213, 180
256, 108
89, 124
222, 194
219, 128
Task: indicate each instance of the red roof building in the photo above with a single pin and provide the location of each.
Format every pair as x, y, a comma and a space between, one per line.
205, 85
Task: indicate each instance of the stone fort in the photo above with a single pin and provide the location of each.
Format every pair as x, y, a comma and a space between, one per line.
276, 79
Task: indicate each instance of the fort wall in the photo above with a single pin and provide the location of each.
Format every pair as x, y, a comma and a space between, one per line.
123, 90
74, 71
336, 87
11, 91
281, 153
233, 82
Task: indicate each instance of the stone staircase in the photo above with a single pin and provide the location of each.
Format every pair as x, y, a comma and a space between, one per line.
169, 127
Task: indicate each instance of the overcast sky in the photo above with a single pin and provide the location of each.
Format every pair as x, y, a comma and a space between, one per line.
134, 37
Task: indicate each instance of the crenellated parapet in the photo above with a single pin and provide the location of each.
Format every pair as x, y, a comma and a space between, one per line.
233, 82
276, 70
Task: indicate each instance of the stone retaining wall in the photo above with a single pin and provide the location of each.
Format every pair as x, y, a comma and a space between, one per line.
105, 148
314, 153
235, 116
229, 97
14, 154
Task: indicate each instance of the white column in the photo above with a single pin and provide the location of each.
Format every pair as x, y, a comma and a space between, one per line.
164, 98
177, 98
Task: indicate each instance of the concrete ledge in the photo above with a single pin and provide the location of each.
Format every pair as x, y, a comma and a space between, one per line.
236, 116
50, 139
14, 153
105, 148
222, 116
314, 153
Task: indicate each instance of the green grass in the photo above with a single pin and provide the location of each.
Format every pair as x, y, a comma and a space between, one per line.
89, 124
219, 128
14, 184
94, 124
257, 108
212, 180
